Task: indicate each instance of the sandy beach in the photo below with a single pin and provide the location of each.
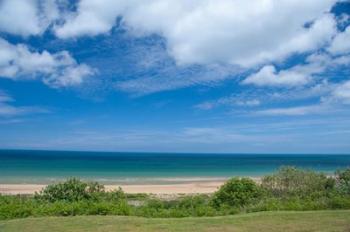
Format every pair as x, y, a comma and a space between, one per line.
186, 188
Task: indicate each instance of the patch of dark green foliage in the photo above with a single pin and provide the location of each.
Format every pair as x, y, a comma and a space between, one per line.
288, 189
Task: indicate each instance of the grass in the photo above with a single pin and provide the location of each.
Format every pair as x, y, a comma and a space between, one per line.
336, 220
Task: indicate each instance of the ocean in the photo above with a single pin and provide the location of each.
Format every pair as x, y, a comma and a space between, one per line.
24, 166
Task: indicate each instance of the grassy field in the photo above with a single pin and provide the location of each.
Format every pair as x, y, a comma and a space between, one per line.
337, 220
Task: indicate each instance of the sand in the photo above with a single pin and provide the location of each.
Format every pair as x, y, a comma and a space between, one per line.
186, 188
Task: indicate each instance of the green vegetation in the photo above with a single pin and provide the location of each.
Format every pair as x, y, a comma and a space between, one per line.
311, 221
288, 189
237, 192
289, 182
71, 190
343, 181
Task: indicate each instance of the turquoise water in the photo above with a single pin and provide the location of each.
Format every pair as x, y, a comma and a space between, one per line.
48, 166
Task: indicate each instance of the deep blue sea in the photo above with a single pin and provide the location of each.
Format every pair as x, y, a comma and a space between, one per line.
119, 167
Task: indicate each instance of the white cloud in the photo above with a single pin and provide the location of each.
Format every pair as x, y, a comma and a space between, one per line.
27, 17
205, 105
297, 75
173, 77
341, 93
343, 19
93, 17
69, 76
5, 98
237, 32
253, 102
319, 62
57, 70
211, 135
247, 137
228, 101
268, 76
341, 43
9, 110
205, 32
293, 111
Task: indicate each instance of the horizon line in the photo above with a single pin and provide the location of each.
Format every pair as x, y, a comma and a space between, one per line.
169, 152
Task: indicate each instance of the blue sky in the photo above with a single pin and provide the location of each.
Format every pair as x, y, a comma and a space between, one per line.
268, 76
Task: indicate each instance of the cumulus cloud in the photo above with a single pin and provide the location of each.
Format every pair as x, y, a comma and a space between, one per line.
341, 43
57, 70
238, 32
93, 17
27, 17
268, 76
297, 75
70, 75
198, 35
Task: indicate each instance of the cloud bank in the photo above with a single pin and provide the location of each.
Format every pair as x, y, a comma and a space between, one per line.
237, 32
208, 41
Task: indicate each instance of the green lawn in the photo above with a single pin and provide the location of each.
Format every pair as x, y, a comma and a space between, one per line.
337, 220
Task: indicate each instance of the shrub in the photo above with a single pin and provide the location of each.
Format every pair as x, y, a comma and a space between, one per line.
71, 190
290, 182
118, 194
237, 192
343, 181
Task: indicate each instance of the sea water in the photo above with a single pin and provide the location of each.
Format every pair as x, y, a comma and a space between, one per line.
22, 166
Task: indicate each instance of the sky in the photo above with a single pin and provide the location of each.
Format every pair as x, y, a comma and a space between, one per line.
217, 76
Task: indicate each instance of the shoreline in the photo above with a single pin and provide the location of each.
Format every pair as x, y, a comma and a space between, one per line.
184, 186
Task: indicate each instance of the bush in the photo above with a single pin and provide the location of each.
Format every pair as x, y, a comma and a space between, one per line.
237, 192
71, 190
343, 181
113, 196
291, 182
